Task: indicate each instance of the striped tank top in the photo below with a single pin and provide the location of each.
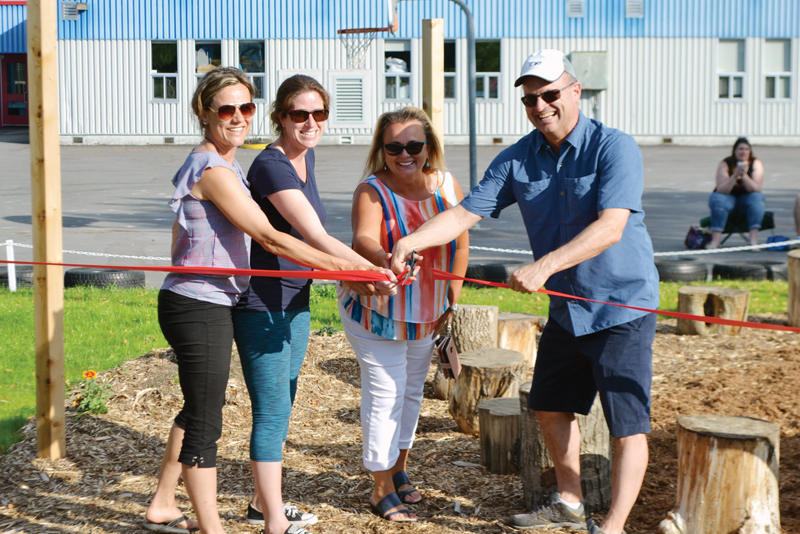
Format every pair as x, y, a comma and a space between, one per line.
414, 310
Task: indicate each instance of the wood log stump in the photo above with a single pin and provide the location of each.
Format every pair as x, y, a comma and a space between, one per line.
517, 331
485, 374
712, 302
499, 424
794, 287
727, 476
536, 467
474, 327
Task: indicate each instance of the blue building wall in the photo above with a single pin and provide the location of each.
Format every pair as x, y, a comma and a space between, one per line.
13, 34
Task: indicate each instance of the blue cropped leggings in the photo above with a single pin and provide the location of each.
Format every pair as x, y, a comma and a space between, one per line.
753, 205
272, 347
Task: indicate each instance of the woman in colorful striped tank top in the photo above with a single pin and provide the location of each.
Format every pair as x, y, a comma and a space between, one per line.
406, 184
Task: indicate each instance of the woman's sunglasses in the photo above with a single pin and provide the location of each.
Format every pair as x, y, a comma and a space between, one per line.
301, 115
550, 96
413, 148
227, 111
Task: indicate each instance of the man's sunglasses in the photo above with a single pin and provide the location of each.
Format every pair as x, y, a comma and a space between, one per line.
301, 115
549, 96
227, 111
413, 148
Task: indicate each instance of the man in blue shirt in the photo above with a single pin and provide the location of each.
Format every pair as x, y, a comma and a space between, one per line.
579, 187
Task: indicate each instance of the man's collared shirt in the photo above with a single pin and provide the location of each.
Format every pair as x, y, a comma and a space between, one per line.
559, 196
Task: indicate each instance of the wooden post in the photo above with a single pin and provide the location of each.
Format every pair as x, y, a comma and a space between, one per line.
48, 284
794, 287
499, 422
517, 331
727, 476
433, 74
712, 302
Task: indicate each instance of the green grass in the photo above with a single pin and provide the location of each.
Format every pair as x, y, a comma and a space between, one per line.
104, 327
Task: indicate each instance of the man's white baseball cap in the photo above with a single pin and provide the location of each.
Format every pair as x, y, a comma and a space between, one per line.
548, 65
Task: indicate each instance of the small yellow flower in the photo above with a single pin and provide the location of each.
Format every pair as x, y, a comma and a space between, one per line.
89, 375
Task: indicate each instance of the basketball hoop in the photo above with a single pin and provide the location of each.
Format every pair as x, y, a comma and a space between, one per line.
356, 42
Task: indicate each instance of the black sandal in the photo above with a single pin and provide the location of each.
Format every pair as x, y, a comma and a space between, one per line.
387, 503
401, 479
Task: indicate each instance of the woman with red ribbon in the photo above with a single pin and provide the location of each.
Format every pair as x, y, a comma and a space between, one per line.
406, 184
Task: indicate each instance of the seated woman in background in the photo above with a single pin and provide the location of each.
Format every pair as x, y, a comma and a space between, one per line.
739, 180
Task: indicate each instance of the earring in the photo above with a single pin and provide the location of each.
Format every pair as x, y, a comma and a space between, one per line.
205, 122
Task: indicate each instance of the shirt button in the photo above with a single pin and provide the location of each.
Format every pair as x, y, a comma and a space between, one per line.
563, 221
566, 277
560, 165
562, 193
572, 301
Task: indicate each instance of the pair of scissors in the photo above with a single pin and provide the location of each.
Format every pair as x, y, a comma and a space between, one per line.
411, 265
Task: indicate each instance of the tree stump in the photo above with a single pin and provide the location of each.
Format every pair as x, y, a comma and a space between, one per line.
517, 331
794, 287
474, 327
536, 467
485, 374
712, 302
499, 424
727, 476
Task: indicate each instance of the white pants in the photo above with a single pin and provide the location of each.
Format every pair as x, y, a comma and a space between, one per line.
392, 379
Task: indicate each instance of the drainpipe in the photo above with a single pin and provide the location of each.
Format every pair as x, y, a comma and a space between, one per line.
473, 137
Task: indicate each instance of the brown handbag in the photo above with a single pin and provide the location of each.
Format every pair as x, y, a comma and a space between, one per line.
446, 351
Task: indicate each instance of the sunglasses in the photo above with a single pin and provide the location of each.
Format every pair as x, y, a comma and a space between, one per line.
227, 112
301, 115
549, 96
413, 148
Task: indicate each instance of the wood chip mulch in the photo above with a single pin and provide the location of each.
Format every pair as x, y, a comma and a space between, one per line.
105, 482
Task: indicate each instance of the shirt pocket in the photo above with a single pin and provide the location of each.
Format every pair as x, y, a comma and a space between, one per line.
581, 198
530, 190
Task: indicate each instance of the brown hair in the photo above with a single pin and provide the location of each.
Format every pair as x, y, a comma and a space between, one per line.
731, 160
211, 84
291, 88
376, 160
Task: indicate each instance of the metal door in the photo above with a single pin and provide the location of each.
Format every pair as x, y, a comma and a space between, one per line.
14, 90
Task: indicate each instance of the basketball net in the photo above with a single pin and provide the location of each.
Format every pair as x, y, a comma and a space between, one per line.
356, 45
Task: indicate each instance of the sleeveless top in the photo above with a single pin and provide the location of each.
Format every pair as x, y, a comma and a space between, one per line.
414, 310
206, 238
738, 189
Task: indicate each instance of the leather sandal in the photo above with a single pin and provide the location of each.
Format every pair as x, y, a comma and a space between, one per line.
401, 479
387, 503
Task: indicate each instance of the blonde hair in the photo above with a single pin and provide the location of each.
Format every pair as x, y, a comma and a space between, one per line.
376, 160
211, 84
291, 88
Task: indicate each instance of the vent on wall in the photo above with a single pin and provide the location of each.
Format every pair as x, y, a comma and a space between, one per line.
69, 10
634, 9
349, 99
575, 9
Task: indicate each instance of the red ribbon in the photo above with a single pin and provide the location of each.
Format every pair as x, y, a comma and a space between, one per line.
443, 275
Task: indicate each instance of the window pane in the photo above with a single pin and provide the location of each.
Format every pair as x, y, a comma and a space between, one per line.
738, 87
397, 62
208, 56
493, 82
258, 87
487, 56
777, 55
172, 87
731, 56
396, 46
251, 57
449, 56
391, 87
783, 87
769, 90
16, 79
165, 57
479, 91
724, 91
405, 88
449, 87
158, 87
17, 108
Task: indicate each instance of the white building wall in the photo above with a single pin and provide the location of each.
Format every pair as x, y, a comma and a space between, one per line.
658, 88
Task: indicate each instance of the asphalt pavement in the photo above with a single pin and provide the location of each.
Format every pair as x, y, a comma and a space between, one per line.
114, 198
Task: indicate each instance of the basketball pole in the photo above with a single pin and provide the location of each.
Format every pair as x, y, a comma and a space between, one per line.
433, 74
48, 285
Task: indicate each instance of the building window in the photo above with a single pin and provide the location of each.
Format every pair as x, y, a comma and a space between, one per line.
164, 70
487, 66
730, 69
208, 56
450, 70
397, 61
576, 9
251, 61
777, 69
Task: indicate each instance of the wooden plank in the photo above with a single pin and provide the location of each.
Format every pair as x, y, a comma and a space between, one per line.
433, 74
48, 283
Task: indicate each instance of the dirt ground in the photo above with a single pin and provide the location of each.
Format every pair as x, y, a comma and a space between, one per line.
111, 468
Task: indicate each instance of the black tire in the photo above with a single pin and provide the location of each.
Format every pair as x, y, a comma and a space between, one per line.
681, 269
24, 275
493, 272
752, 270
87, 276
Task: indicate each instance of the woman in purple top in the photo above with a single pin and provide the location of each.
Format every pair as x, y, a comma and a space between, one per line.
214, 211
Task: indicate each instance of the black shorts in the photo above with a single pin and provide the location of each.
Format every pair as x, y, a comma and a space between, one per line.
617, 362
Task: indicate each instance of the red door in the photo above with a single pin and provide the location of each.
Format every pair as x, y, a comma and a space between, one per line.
14, 90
